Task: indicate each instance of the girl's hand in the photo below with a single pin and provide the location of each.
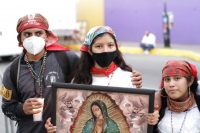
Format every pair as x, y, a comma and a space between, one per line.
136, 79
49, 127
152, 118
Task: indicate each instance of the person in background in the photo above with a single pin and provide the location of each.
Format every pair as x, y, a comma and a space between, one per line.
101, 63
180, 98
39, 67
148, 42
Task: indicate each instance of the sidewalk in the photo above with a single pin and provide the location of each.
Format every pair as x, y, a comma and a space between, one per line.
184, 50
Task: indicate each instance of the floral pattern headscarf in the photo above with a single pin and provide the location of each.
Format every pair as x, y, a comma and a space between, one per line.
178, 68
93, 33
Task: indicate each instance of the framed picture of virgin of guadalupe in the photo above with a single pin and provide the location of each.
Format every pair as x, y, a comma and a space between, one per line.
78, 108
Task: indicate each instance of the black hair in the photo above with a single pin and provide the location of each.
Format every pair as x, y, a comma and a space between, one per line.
82, 75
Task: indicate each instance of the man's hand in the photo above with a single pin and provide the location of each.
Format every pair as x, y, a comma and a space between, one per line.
136, 79
31, 104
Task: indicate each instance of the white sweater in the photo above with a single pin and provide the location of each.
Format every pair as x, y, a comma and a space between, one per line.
120, 78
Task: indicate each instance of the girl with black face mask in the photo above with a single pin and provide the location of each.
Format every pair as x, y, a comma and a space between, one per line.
101, 63
100, 57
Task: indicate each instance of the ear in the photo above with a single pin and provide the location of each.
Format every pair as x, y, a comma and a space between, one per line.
19, 38
190, 83
47, 35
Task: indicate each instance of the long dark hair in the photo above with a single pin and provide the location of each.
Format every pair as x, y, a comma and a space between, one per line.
193, 88
82, 75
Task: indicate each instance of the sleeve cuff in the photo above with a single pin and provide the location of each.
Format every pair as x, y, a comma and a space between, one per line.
20, 110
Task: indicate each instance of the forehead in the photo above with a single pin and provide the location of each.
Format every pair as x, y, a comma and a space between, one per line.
95, 107
106, 38
173, 76
170, 76
33, 30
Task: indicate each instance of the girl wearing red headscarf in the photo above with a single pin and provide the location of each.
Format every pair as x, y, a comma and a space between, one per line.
180, 99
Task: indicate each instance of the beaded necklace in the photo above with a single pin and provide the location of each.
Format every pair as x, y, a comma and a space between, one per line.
39, 77
181, 124
110, 78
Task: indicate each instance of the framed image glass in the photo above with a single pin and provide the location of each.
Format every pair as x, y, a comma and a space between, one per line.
78, 108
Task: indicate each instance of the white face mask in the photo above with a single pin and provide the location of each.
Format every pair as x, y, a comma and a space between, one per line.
34, 44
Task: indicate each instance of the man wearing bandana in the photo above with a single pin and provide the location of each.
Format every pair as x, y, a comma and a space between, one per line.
38, 68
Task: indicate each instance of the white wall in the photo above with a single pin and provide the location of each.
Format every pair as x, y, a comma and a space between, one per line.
59, 13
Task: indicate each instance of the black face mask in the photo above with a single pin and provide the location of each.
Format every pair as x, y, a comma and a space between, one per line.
104, 59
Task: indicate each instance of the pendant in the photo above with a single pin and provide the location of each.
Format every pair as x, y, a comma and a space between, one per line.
39, 82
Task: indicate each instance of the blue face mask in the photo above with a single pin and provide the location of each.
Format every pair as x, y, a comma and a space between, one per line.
104, 59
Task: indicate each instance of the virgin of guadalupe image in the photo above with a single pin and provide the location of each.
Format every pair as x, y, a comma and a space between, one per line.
99, 114
100, 122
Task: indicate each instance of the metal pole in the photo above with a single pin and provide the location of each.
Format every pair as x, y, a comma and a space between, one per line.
11, 126
1, 77
6, 124
166, 30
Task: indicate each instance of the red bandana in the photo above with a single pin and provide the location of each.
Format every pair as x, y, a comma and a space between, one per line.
178, 68
39, 21
106, 72
56, 47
